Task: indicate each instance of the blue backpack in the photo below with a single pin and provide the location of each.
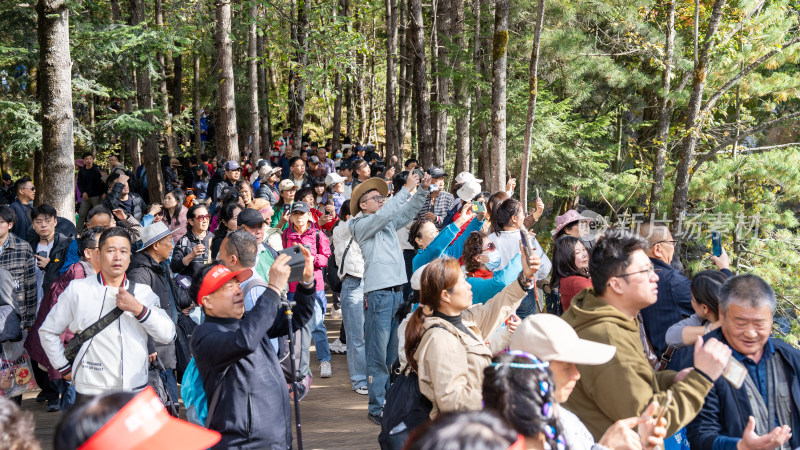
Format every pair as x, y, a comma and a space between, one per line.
194, 395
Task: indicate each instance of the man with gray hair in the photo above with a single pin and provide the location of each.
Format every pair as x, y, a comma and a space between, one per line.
764, 411
238, 252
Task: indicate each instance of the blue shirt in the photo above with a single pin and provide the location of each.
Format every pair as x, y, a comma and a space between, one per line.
758, 370
758, 373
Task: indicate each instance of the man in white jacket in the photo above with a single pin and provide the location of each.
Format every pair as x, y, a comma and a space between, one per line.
117, 357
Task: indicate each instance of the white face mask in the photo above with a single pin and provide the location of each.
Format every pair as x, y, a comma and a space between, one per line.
276, 153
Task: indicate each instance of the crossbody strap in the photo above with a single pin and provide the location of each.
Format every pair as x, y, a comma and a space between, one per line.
74, 345
344, 255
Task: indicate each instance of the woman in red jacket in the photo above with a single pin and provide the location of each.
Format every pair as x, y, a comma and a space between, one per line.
570, 268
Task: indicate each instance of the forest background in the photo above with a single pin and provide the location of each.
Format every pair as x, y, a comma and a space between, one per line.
684, 111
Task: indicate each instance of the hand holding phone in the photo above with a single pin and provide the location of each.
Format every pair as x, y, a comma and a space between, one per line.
716, 243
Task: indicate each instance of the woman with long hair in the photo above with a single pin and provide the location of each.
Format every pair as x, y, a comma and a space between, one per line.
227, 224
200, 184
445, 336
706, 287
518, 386
480, 260
175, 213
570, 268
429, 243
245, 192
193, 250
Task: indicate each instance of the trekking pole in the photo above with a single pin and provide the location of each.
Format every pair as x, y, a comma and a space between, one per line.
288, 305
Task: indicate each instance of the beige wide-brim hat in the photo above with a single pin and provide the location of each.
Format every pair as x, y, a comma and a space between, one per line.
550, 338
372, 183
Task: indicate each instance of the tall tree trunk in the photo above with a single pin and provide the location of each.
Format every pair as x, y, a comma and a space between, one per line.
254, 138
177, 94
499, 67
227, 138
198, 144
263, 95
481, 69
129, 145
533, 85
391, 80
162, 86
682, 177
462, 97
421, 93
444, 35
57, 187
434, 83
297, 87
349, 99
404, 85
664, 113
337, 106
144, 95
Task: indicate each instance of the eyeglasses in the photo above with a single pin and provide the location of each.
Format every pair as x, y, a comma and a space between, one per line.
203, 217
378, 198
674, 243
650, 269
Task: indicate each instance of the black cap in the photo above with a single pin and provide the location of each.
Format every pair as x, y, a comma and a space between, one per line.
298, 207
313, 159
436, 172
7, 177
346, 164
250, 217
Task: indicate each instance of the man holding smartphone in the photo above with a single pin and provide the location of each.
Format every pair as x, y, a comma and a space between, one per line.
375, 230
624, 282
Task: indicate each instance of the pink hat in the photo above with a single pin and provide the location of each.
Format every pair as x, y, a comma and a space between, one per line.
79, 162
566, 219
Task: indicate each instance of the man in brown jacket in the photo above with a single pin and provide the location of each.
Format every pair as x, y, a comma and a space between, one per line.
625, 282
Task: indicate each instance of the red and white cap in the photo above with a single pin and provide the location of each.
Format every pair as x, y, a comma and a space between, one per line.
217, 277
145, 424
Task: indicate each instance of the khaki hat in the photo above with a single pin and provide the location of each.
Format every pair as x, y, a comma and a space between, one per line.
174, 162
550, 338
372, 183
286, 185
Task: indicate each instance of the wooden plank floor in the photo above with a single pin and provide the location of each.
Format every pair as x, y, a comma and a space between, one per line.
332, 415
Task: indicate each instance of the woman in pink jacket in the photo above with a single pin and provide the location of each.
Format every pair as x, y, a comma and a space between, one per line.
302, 231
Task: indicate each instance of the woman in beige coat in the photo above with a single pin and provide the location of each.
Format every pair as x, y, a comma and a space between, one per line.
445, 337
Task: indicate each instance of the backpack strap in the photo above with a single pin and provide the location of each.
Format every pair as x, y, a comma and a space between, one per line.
254, 284
212, 405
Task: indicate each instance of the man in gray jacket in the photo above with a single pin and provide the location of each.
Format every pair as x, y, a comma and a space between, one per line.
385, 273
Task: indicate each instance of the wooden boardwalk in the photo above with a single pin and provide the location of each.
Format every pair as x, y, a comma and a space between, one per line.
332, 415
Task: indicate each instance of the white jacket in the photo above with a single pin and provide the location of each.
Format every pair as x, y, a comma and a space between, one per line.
116, 358
354, 262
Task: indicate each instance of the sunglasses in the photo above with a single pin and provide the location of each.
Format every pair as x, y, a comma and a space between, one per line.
203, 217
490, 247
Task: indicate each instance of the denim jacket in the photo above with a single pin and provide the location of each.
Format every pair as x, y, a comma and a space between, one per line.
377, 236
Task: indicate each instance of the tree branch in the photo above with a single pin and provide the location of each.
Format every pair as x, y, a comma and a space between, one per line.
764, 126
735, 80
630, 52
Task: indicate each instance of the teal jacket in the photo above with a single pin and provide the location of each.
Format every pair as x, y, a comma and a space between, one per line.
377, 236
484, 289
441, 244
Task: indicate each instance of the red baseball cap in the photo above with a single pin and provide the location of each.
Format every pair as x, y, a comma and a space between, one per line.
144, 424
217, 277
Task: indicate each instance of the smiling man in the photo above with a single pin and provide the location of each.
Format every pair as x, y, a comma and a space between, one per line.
624, 282
763, 413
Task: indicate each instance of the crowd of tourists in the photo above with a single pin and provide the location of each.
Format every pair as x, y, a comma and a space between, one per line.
459, 330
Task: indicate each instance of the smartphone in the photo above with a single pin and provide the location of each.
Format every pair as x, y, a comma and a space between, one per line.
664, 408
716, 243
42, 254
526, 244
537, 194
734, 372
419, 173
297, 262
478, 207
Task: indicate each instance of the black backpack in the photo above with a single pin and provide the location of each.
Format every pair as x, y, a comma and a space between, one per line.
332, 273
404, 404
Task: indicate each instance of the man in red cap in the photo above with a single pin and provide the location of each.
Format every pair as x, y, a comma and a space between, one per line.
232, 351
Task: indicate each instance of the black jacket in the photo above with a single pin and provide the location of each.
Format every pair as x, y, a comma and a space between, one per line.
90, 181
253, 408
144, 269
726, 410
183, 247
57, 256
113, 201
171, 181
23, 222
